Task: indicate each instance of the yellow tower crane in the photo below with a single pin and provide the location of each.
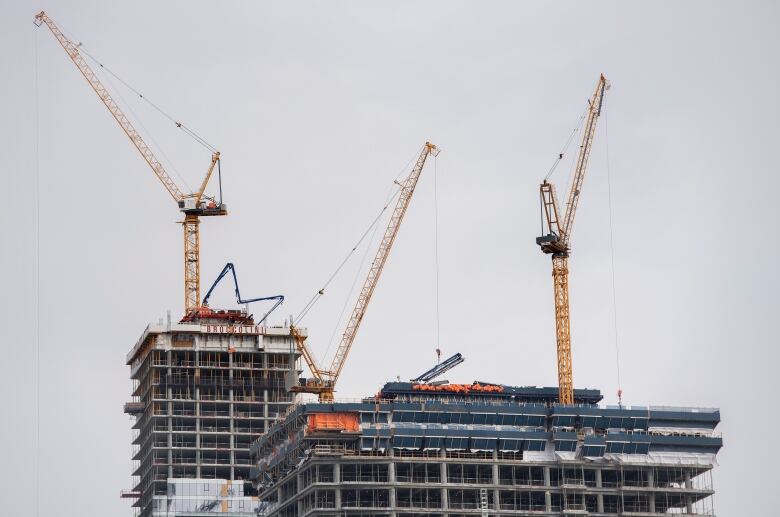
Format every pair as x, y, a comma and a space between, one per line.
323, 382
557, 242
193, 205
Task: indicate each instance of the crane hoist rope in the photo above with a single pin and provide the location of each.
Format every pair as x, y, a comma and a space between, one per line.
557, 241
193, 205
566, 145
391, 194
324, 380
317, 295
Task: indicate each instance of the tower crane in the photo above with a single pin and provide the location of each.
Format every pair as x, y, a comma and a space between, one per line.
192, 205
557, 241
324, 380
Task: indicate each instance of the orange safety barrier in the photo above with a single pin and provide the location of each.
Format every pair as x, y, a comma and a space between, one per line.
461, 388
333, 422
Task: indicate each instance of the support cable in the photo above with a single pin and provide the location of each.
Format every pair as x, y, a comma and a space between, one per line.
333, 275
389, 197
612, 259
352, 288
37, 289
567, 144
148, 134
436, 241
392, 192
178, 124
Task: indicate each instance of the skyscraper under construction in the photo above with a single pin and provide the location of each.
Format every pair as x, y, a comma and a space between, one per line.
203, 390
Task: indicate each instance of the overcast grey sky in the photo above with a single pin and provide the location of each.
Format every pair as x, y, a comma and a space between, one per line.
316, 107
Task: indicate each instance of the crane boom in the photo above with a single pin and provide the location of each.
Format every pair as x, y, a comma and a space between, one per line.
325, 380
405, 196
557, 242
191, 204
72, 49
594, 111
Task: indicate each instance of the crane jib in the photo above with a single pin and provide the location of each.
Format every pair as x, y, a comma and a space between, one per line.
324, 381
191, 205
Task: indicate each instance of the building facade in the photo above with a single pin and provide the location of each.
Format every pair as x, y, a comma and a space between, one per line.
204, 389
484, 449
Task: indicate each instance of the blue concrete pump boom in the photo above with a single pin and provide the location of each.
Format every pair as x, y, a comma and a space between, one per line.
229, 267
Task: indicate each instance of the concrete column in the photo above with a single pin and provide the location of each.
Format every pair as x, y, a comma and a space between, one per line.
547, 496
265, 411
599, 497
443, 474
391, 500
299, 485
231, 414
337, 498
688, 486
198, 459
169, 403
391, 495
651, 485
337, 482
496, 503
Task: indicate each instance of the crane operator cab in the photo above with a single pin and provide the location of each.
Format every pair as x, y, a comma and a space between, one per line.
551, 243
205, 207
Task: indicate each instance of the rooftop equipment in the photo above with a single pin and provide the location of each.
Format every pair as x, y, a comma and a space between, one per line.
440, 369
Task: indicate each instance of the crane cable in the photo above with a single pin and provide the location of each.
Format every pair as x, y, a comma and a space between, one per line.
352, 287
558, 160
612, 258
393, 191
37, 287
316, 296
567, 144
187, 130
178, 124
389, 197
148, 134
436, 242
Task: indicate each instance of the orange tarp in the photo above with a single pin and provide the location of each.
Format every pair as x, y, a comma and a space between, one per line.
333, 422
461, 388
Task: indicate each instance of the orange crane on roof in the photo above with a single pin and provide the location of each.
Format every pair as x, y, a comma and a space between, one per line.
557, 241
193, 205
324, 380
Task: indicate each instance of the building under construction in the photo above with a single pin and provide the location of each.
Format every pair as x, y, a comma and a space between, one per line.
486, 449
216, 385
204, 389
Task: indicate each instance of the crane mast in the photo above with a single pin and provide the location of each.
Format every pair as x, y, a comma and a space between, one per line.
192, 205
556, 242
324, 380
